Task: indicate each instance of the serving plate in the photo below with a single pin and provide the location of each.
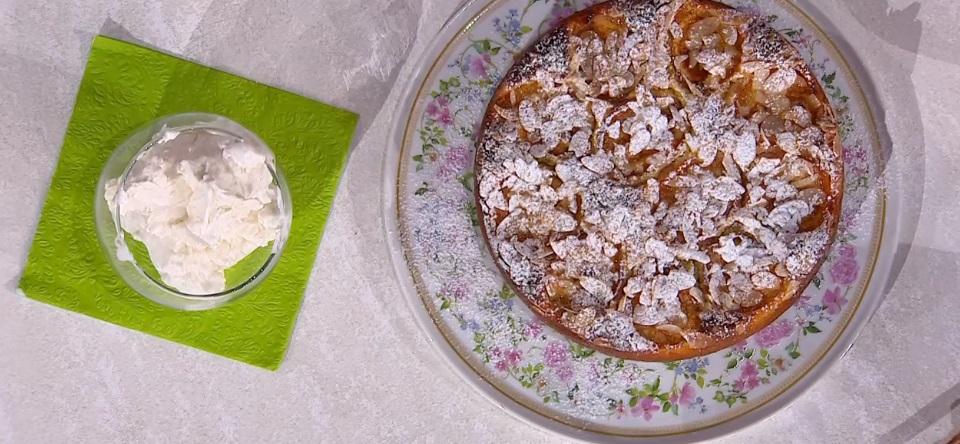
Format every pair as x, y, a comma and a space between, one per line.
498, 346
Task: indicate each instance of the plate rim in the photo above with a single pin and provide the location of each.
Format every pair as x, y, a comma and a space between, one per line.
869, 302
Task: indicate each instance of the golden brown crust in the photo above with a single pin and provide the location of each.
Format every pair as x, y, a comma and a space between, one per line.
706, 328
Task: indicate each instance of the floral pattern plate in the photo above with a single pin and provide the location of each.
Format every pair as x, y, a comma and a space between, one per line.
490, 337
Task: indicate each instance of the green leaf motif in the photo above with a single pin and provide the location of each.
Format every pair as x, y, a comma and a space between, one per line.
718, 397
505, 292
732, 363
466, 180
471, 209
423, 188
579, 352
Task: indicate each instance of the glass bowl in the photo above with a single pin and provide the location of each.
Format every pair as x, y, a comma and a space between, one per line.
129, 258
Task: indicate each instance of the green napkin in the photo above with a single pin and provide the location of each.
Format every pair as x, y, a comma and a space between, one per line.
126, 86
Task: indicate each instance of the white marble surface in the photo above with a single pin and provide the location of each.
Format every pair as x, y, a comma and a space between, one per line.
358, 369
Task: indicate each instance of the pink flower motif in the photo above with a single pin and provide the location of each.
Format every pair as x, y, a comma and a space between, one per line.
741, 346
565, 373
532, 328
619, 409
844, 270
434, 107
855, 160
833, 301
454, 161
510, 359
458, 156
558, 13
851, 219
445, 119
594, 373
454, 289
747, 383
478, 66
646, 408
439, 109
805, 41
687, 396
774, 333
749, 377
556, 354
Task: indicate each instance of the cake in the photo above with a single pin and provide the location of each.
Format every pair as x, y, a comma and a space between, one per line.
659, 180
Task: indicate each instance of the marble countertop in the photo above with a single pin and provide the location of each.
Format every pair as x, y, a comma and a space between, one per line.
65, 377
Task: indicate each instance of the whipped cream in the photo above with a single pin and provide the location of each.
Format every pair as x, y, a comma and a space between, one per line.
200, 202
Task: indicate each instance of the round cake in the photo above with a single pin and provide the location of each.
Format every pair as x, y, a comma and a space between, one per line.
657, 179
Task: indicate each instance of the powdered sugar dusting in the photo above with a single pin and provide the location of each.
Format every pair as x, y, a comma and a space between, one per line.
584, 222
546, 61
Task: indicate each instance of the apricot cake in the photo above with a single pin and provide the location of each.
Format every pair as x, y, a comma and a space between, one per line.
658, 179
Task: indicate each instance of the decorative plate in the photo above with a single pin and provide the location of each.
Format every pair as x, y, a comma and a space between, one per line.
493, 340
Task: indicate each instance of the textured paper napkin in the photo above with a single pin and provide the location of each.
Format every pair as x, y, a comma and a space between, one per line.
126, 86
